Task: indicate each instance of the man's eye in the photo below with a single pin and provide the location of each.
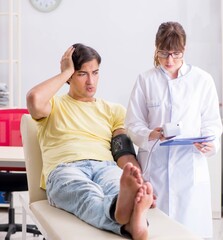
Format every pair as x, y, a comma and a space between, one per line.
95, 73
81, 74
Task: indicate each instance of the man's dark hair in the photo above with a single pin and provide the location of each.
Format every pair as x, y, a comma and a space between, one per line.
83, 54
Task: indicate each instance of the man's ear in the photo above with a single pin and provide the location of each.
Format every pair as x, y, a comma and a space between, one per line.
68, 81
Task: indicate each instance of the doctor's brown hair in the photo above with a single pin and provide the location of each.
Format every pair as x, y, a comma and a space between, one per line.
170, 36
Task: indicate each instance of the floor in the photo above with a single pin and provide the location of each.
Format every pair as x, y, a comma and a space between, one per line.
18, 219
217, 223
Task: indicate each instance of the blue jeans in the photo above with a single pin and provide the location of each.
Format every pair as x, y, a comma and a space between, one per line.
87, 189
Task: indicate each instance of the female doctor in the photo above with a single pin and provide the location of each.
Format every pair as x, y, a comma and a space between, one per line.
176, 92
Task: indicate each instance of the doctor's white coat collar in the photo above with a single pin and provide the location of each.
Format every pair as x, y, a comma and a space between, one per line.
184, 69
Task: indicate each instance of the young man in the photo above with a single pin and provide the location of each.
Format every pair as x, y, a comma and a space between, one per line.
85, 148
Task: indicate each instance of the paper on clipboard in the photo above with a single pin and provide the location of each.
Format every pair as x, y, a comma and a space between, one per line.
187, 141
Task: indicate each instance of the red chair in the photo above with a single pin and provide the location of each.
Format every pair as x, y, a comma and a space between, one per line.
10, 126
12, 181
10, 130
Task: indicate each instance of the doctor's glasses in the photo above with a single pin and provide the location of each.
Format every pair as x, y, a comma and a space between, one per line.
166, 54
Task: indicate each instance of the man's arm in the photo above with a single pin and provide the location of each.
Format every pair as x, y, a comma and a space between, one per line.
38, 98
121, 161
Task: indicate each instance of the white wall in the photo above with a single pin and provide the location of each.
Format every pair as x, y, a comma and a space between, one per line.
123, 32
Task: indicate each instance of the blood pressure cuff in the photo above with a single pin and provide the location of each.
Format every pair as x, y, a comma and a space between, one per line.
121, 145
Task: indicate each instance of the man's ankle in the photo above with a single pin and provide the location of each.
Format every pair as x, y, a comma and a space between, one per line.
113, 208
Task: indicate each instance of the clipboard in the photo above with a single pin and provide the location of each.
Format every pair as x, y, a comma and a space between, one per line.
187, 141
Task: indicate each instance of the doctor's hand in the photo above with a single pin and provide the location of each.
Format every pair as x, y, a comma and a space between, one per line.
204, 147
66, 63
157, 133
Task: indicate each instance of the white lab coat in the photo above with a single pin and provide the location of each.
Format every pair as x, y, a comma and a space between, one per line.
179, 174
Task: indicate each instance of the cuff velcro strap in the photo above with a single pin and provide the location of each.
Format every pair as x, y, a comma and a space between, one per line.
121, 145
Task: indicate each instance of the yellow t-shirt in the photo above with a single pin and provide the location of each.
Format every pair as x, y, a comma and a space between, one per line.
77, 130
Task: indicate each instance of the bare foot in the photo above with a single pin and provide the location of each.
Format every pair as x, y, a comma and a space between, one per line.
154, 201
130, 183
138, 223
